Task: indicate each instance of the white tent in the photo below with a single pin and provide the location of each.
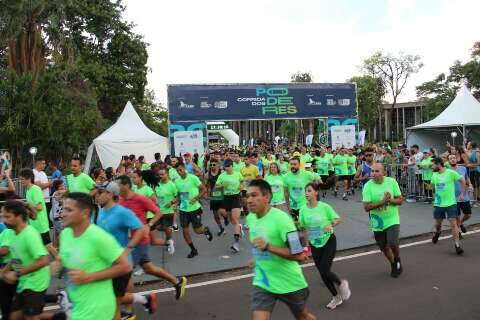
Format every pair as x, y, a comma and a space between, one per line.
461, 116
129, 135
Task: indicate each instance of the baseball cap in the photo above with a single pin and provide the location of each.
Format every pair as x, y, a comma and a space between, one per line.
296, 154
188, 154
109, 186
308, 165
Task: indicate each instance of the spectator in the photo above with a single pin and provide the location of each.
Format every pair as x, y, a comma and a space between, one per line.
42, 181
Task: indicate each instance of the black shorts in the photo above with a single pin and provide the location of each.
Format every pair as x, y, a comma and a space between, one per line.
232, 202
464, 207
194, 217
295, 213
46, 238
389, 237
215, 205
120, 284
474, 177
30, 302
140, 255
262, 300
166, 221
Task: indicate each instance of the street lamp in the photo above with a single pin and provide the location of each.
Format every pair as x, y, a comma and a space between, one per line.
33, 151
453, 134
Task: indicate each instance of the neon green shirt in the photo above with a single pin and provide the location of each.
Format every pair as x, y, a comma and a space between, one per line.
82, 183
173, 174
166, 193
387, 216
306, 158
315, 220
272, 272
296, 183
283, 166
26, 248
351, 164
233, 182
6, 237
93, 251
444, 184
238, 166
323, 165
187, 190
34, 196
427, 170
330, 158
341, 165
278, 188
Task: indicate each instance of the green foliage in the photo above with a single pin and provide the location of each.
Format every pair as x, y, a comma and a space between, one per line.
153, 114
301, 77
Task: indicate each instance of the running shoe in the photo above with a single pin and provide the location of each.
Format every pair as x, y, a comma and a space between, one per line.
460, 236
336, 301
344, 289
235, 247
175, 227
151, 305
127, 316
180, 287
63, 301
398, 266
436, 235
138, 272
225, 220
344, 197
353, 191
335, 193
208, 234
463, 228
192, 254
170, 247
458, 250
221, 232
242, 233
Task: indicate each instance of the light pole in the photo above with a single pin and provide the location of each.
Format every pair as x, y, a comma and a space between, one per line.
453, 134
33, 151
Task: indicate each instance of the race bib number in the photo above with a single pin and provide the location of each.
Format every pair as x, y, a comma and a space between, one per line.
314, 233
275, 188
216, 193
297, 192
183, 200
440, 187
261, 255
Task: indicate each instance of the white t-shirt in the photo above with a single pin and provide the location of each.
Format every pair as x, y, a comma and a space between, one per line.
41, 176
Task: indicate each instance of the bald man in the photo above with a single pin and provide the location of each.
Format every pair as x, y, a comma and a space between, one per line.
381, 199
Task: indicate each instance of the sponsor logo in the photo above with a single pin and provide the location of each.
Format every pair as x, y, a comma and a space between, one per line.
205, 105
220, 104
343, 102
312, 102
277, 101
183, 105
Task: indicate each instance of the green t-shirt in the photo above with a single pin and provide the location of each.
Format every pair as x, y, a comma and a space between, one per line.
145, 166
427, 170
323, 165
283, 167
82, 183
387, 216
315, 220
187, 190
233, 182
238, 166
341, 165
95, 250
166, 193
272, 272
34, 195
445, 188
146, 191
26, 248
306, 158
330, 158
6, 237
278, 188
296, 183
351, 164
173, 174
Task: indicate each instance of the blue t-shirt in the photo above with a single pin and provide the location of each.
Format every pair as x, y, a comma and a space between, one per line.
259, 165
458, 186
2, 227
118, 221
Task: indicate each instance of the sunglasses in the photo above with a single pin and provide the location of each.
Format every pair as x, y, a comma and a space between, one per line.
369, 155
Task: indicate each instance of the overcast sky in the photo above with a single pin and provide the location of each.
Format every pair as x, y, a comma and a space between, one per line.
248, 41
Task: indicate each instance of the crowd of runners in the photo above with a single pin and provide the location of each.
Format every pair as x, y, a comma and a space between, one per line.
95, 231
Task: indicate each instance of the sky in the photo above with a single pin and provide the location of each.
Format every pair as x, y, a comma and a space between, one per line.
251, 41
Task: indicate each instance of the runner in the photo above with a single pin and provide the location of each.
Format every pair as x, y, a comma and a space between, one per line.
427, 172
341, 172
120, 222
190, 166
36, 201
351, 164
323, 162
238, 164
278, 275
249, 172
364, 170
78, 181
275, 180
7, 291
28, 267
173, 175
232, 183
191, 190
463, 205
91, 258
140, 205
445, 203
216, 196
319, 219
295, 182
381, 198
167, 198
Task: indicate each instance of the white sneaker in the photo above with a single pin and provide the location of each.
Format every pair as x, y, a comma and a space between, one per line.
344, 289
235, 247
242, 233
64, 302
170, 247
336, 301
138, 272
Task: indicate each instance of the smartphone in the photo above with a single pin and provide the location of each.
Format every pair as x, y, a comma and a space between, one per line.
294, 243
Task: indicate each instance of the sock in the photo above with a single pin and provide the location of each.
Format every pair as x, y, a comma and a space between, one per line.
236, 237
457, 243
220, 226
191, 246
138, 298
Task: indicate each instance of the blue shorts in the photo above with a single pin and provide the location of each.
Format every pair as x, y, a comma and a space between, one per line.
445, 212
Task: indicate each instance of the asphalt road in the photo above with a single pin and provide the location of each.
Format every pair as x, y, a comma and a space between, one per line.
436, 285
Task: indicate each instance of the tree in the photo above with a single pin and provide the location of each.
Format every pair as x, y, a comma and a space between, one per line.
153, 114
302, 77
394, 72
370, 91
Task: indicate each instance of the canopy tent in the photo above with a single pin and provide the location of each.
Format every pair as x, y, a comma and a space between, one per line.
129, 135
461, 116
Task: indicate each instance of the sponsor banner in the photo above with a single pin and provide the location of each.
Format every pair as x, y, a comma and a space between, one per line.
188, 141
189, 103
180, 127
342, 136
361, 137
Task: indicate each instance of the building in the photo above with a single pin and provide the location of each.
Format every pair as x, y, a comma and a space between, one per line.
405, 114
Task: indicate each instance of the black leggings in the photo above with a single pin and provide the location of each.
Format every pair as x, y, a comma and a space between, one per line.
323, 258
7, 292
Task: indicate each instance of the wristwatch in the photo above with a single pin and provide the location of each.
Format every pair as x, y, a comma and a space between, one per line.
267, 246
